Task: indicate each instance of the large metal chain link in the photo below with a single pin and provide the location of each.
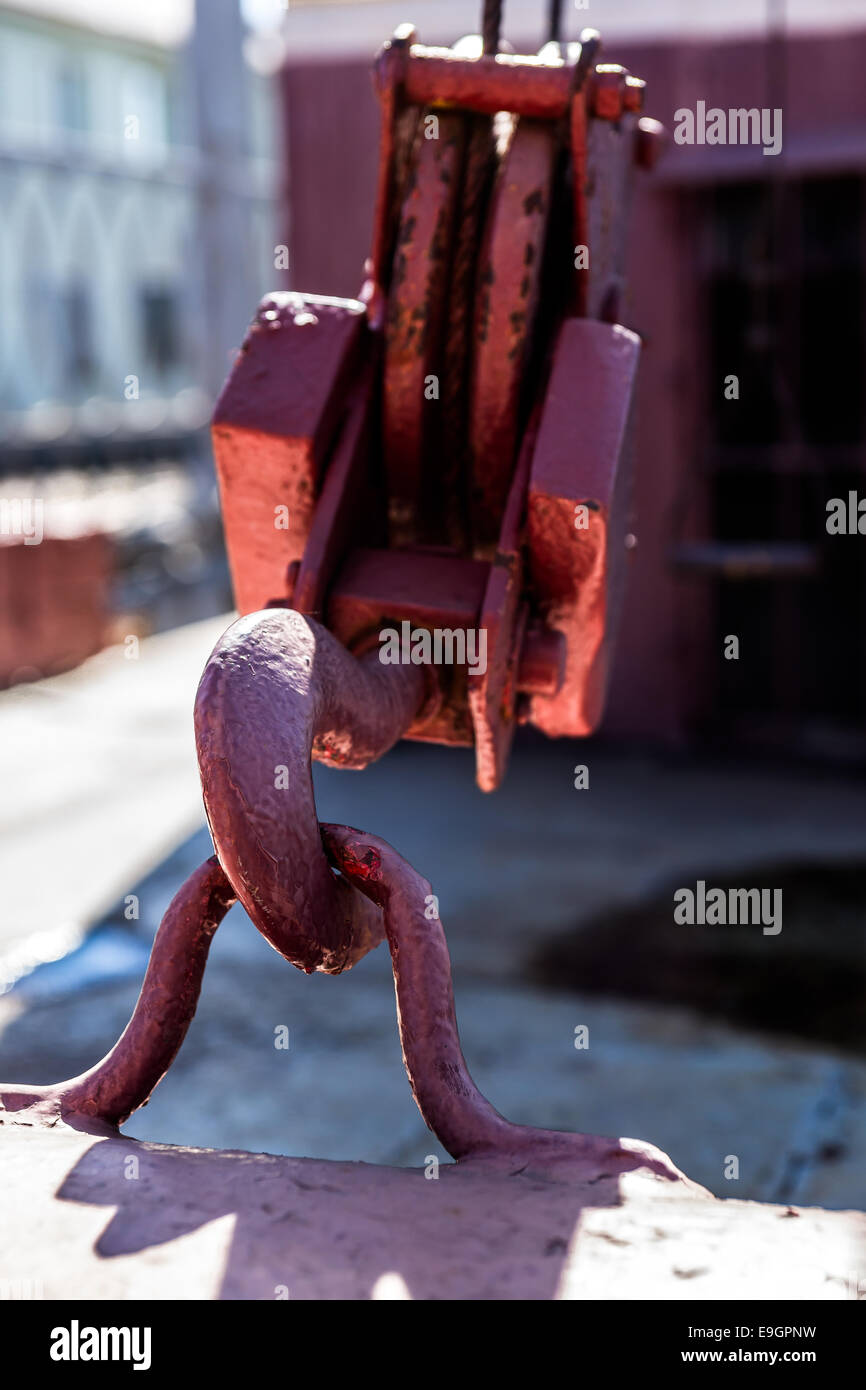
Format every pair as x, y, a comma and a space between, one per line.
277, 691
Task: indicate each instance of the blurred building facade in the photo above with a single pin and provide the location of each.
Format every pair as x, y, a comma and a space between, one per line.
131, 168
139, 172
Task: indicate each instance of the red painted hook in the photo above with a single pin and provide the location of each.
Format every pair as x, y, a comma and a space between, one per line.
451, 1104
108, 1093
277, 691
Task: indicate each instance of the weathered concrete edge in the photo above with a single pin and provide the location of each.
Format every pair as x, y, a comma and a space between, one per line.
93, 1217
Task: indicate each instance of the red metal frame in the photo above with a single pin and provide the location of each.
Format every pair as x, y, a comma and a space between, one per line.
333, 416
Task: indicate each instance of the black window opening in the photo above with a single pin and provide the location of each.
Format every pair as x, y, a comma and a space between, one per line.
785, 295
160, 328
77, 342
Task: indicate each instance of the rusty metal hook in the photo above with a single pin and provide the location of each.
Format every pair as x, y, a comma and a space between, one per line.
278, 691
279, 683
103, 1097
450, 1103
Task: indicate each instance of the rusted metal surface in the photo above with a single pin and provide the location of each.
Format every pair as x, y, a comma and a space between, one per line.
577, 512
607, 91
554, 21
272, 429
509, 279
635, 93
526, 85
378, 589
493, 695
610, 161
541, 664
450, 1102
108, 1093
536, 86
416, 316
278, 685
469, 278
491, 23
648, 143
278, 690
480, 168
349, 501
397, 133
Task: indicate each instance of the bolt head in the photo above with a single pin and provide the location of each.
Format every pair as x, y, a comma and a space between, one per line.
633, 96
608, 91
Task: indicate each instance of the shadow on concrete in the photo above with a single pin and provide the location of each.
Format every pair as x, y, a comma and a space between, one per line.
310, 1229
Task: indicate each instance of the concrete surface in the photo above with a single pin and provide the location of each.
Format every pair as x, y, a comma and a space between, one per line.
102, 775
107, 1218
100, 781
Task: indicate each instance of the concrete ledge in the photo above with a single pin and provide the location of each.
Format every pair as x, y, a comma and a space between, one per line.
90, 1217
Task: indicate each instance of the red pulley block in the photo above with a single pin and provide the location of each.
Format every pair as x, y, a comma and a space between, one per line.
450, 450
